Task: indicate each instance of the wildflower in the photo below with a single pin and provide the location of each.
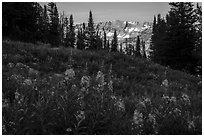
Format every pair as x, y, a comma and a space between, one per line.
172, 99
80, 115
137, 117
69, 73
120, 104
152, 119
20, 100
100, 80
19, 65
17, 95
10, 65
191, 125
4, 129
147, 101
165, 84
73, 87
177, 111
100, 77
5, 103
85, 81
186, 99
166, 98
52, 93
113, 97
110, 85
69, 130
33, 72
27, 82
16, 77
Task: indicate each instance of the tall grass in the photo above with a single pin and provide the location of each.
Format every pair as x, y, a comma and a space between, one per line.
67, 91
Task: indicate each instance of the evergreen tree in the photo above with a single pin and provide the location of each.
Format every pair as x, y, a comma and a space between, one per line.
126, 46
158, 40
91, 33
143, 49
80, 40
180, 37
39, 22
98, 40
71, 34
121, 48
62, 28
137, 51
108, 45
19, 20
104, 39
54, 37
45, 25
66, 31
131, 49
197, 53
114, 43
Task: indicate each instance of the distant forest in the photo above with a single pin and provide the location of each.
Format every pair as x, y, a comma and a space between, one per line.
176, 40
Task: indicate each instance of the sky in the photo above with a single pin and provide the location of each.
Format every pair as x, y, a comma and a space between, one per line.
109, 11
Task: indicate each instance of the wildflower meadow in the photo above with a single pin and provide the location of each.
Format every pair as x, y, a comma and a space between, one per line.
68, 92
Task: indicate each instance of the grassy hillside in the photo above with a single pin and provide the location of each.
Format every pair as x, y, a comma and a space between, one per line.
67, 91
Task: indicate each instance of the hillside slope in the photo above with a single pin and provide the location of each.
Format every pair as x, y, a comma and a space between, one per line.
47, 83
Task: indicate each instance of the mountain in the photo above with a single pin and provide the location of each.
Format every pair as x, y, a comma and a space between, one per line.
126, 31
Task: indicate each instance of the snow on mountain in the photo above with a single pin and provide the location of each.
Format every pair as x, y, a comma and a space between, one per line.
127, 31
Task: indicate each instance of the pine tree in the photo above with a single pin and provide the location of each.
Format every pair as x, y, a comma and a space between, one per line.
137, 51
54, 37
153, 39
180, 37
121, 48
114, 43
45, 25
19, 20
39, 22
104, 39
70, 34
108, 45
143, 49
98, 40
80, 40
198, 39
91, 33
158, 41
62, 28
66, 31
126, 46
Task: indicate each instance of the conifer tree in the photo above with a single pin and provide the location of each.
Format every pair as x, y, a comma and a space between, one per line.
143, 49
54, 37
45, 25
104, 39
158, 41
137, 51
61, 28
180, 37
198, 39
91, 33
38, 35
114, 43
80, 40
70, 38
121, 48
108, 45
153, 39
98, 40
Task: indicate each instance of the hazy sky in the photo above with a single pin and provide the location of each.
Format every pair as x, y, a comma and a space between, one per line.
108, 11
